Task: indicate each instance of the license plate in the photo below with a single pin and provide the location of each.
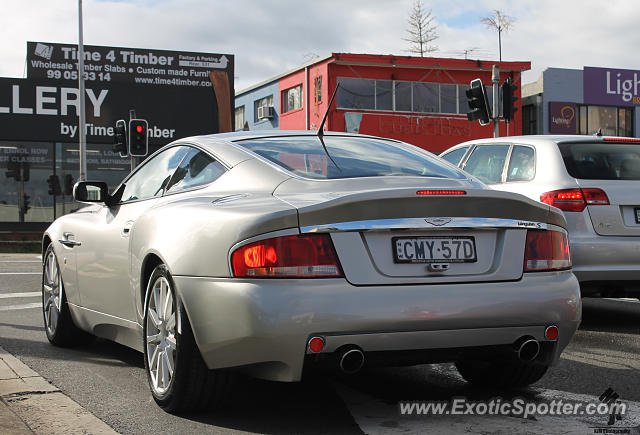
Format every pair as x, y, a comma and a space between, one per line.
434, 249
636, 211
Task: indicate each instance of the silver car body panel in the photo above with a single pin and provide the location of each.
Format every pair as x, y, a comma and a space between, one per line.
263, 325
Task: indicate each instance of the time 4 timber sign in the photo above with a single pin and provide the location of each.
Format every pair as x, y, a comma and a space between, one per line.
179, 93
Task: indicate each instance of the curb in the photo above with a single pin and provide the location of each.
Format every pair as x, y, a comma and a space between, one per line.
31, 405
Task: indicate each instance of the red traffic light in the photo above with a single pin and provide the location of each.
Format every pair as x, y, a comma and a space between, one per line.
139, 128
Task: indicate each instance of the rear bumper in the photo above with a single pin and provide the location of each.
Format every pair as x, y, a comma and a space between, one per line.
606, 258
263, 326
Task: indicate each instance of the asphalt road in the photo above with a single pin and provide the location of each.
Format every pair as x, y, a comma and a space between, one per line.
109, 380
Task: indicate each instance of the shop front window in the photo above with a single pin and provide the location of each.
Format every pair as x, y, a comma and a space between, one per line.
24, 171
610, 120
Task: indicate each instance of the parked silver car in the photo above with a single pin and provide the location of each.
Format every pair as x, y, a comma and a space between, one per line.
594, 180
269, 253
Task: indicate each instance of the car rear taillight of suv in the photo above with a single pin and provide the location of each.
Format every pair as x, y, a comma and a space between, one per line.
575, 199
546, 250
311, 256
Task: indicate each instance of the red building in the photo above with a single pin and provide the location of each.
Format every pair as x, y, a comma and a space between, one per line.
419, 100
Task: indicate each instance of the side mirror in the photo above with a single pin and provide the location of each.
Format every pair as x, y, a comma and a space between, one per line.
91, 191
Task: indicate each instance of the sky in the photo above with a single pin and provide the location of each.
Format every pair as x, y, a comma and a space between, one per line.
269, 37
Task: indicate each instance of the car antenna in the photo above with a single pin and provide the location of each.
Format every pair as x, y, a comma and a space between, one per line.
321, 128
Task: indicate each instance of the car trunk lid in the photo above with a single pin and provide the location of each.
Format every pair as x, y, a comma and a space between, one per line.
392, 235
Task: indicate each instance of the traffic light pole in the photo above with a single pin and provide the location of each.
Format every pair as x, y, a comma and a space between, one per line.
495, 79
82, 121
132, 115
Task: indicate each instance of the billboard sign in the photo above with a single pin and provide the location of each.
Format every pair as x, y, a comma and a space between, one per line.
611, 87
562, 118
179, 93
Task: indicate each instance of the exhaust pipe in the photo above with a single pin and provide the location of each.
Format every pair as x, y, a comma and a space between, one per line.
351, 360
527, 349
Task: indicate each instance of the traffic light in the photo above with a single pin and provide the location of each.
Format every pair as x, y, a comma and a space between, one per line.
138, 137
54, 185
508, 99
68, 184
120, 138
25, 203
14, 171
478, 103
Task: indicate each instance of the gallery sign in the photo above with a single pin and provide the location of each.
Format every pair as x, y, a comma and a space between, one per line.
179, 93
611, 87
562, 118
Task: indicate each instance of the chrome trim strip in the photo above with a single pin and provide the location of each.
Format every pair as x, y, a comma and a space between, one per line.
421, 223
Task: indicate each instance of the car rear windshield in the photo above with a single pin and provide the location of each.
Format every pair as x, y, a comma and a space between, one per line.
349, 157
602, 161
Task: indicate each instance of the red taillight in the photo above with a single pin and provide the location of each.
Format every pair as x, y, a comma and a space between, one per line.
441, 192
575, 199
310, 256
546, 250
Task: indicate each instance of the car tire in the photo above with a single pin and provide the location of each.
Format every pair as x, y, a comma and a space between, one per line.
178, 377
501, 374
58, 324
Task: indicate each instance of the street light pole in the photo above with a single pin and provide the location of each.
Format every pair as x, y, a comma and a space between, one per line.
81, 96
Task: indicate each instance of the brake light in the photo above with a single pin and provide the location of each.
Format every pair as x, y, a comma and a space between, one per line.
575, 199
620, 139
546, 250
311, 256
441, 192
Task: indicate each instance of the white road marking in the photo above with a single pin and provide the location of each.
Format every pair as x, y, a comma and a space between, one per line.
20, 273
20, 295
623, 299
21, 306
376, 416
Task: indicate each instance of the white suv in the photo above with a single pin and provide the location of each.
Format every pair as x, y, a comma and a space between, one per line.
594, 180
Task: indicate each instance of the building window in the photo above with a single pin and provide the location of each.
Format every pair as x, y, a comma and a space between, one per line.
402, 96
292, 99
529, 115
356, 93
317, 90
610, 120
263, 102
239, 119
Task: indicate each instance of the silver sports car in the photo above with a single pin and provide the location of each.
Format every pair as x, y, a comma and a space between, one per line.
275, 253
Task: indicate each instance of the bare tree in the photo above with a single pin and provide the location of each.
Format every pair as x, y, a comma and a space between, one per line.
501, 22
422, 30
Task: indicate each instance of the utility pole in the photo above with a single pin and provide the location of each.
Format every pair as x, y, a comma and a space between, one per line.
495, 79
82, 121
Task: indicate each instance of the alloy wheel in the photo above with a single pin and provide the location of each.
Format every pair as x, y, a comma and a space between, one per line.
51, 293
160, 335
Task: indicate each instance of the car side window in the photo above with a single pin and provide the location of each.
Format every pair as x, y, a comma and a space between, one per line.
455, 156
487, 163
522, 165
151, 180
196, 169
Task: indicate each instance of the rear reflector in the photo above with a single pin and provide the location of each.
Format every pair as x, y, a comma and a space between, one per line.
310, 256
441, 192
316, 344
551, 333
546, 250
575, 199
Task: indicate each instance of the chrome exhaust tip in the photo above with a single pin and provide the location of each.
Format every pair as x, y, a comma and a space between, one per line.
527, 349
351, 361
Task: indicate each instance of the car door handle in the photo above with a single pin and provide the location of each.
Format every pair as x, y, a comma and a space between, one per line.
69, 241
127, 229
